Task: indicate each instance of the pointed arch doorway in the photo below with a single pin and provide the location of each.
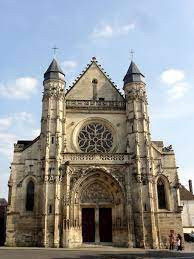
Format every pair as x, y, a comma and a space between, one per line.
96, 225
96, 203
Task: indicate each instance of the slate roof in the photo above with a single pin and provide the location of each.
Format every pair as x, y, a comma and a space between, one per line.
185, 195
93, 60
27, 143
54, 67
133, 74
54, 71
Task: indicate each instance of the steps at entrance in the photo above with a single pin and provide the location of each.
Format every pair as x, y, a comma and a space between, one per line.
97, 245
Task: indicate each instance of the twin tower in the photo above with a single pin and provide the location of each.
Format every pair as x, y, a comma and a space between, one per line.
93, 175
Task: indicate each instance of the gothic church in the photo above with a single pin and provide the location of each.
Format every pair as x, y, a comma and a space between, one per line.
93, 175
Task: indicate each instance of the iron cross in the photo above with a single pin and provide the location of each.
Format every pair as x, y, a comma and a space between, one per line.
132, 52
55, 50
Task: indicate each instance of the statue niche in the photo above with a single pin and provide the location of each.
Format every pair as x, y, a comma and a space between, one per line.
96, 193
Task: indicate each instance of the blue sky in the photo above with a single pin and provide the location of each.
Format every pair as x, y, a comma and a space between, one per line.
160, 32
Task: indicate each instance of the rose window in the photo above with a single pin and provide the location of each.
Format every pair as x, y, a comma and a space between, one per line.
95, 138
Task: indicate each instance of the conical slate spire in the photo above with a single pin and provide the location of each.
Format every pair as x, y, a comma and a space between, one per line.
54, 71
133, 74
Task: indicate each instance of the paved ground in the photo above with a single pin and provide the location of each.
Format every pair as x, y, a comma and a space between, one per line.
91, 253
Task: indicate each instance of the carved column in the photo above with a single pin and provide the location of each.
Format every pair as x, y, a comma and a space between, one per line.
97, 234
129, 210
66, 210
138, 209
45, 138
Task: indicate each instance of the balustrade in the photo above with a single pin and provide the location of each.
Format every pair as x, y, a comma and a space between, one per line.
95, 104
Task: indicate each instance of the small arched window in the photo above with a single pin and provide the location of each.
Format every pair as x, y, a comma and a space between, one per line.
30, 196
161, 195
94, 81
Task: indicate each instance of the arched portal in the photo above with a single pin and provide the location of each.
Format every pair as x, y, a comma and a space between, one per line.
97, 205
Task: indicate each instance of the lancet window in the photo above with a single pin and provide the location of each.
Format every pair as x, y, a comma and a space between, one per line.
30, 196
161, 195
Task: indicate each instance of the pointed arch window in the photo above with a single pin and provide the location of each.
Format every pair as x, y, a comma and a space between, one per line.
30, 196
161, 195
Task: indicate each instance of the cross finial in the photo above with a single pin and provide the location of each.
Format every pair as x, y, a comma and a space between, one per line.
55, 50
132, 52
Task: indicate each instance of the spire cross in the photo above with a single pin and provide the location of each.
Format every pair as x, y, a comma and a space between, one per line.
55, 50
132, 52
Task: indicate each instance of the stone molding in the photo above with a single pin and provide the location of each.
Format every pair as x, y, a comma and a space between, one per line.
120, 158
96, 105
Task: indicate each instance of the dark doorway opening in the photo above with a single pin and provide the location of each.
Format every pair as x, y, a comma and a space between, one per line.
88, 224
105, 224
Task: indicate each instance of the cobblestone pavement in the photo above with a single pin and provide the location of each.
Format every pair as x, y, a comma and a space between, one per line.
91, 253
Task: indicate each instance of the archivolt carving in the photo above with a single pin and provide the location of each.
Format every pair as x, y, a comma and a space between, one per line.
96, 193
82, 179
116, 173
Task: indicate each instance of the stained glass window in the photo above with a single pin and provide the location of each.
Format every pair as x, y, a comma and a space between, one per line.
95, 138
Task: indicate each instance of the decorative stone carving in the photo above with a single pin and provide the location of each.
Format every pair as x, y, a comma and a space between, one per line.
67, 200
167, 149
95, 104
117, 173
95, 138
137, 94
96, 193
138, 178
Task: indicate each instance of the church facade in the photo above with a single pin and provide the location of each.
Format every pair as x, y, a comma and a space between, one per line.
93, 175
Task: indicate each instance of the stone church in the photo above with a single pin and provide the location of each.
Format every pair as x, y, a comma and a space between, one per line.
93, 175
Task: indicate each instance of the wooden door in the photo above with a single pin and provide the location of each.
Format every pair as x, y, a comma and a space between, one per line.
105, 224
88, 224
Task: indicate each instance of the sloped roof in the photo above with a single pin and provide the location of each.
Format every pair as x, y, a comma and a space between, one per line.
27, 143
185, 194
133, 74
54, 67
54, 71
93, 60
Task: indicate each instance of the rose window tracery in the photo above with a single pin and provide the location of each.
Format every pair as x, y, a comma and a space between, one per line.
95, 138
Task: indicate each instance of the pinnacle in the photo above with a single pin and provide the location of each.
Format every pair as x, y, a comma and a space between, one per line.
133, 74
54, 71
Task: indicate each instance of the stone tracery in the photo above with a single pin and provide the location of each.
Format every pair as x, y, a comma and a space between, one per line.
95, 138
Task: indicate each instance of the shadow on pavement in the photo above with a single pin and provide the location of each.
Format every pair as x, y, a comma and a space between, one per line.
157, 254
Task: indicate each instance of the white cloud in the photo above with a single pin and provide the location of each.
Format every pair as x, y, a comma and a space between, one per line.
69, 65
35, 133
5, 123
172, 76
22, 88
6, 144
23, 116
177, 86
178, 90
104, 32
108, 31
12, 127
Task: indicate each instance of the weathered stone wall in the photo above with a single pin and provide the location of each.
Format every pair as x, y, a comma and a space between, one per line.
83, 89
168, 221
